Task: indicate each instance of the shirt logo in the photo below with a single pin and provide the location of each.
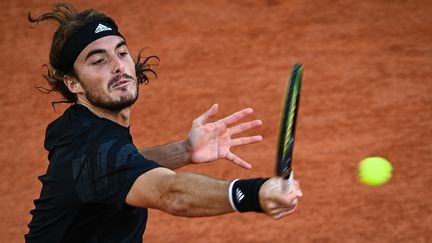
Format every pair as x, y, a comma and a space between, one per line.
101, 28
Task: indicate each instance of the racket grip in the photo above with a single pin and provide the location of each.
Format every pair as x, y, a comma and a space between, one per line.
289, 180
290, 175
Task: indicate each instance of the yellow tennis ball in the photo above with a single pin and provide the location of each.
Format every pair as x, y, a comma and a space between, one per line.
374, 171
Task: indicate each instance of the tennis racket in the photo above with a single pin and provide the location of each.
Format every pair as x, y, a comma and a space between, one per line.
288, 124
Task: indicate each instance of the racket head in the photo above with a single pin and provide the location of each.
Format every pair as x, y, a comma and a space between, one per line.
288, 123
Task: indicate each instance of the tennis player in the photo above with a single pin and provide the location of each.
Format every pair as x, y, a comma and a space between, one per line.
98, 185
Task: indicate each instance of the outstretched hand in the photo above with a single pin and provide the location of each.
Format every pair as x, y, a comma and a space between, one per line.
211, 141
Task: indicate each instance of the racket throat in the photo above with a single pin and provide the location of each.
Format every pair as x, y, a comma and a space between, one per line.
287, 174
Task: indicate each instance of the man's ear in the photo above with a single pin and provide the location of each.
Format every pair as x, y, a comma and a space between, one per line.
73, 85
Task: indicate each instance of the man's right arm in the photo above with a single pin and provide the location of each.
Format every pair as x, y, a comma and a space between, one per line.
196, 195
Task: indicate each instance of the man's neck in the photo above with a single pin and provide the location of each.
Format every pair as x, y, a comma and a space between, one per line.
120, 117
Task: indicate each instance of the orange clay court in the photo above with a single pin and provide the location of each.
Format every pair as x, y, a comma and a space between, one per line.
367, 91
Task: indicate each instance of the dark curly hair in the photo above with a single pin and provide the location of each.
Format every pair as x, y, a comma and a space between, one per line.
69, 22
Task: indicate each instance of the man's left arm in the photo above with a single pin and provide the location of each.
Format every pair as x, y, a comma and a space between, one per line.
172, 156
207, 141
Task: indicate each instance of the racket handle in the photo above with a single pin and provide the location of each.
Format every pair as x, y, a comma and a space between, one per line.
289, 179
289, 176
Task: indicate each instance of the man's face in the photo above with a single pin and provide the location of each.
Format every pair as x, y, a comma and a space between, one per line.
106, 72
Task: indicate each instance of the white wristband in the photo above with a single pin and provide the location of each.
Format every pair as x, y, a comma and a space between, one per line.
230, 195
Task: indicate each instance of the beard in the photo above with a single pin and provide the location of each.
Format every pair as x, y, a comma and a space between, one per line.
114, 105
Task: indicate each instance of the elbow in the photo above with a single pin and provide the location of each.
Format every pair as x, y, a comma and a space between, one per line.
174, 205
178, 211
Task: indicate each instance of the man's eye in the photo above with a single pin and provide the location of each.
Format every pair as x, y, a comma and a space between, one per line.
123, 53
98, 61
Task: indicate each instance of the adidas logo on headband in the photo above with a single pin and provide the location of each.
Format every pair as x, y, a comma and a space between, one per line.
101, 28
81, 38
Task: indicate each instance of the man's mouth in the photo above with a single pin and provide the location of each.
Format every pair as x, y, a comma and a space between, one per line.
120, 83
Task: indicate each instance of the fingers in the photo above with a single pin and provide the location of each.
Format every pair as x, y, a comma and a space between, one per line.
276, 200
233, 118
236, 160
290, 185
279, 211
246, 140
296, 188
245, 126
292, 188
207, 115
284, 213
288, 199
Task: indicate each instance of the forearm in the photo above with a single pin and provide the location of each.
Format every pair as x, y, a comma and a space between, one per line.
195, 195
172, 156
182, 194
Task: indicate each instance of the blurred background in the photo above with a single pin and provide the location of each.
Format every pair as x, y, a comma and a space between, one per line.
366, 91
